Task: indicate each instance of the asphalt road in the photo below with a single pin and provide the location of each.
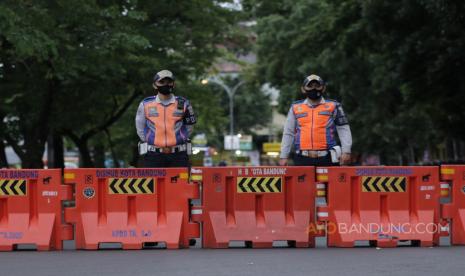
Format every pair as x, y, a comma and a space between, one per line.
277, 261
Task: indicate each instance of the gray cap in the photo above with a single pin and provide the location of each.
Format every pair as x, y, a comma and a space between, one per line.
311, 78
163, 74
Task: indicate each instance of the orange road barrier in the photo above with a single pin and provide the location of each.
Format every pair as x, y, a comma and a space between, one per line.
30, 209
382, 205
455, 211
258, 205
132, 207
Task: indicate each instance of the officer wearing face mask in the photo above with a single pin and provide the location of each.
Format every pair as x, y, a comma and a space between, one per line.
311, 128
164, 123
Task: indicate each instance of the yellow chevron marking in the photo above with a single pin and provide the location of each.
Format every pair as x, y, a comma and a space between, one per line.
273, 184
375, 184
379, 182
126, 186
23, 182
370, 183
264, 186
246, 184
117, 186
137, 185
8, 187
388, 184
254, 184
238, 188
145, 186
397, 184
1, 184
258, 185
363, 184
16, 189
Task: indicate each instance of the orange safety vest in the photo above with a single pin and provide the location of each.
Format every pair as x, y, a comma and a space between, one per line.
164, 124
315, 126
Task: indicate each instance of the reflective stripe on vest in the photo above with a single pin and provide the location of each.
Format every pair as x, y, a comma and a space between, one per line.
315, 126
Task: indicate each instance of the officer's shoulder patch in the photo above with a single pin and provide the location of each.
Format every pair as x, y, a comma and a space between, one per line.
181, 98
298, 102
331, 101
181, 101
297, 106
149, 99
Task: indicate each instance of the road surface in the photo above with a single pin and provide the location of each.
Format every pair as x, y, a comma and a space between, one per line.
238, 261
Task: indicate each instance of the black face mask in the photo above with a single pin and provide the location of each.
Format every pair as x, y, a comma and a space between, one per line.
313, 94
165, 89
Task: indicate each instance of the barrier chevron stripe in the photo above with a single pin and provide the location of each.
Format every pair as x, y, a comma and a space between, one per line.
259, 184
13, 187
384, 184
131, 186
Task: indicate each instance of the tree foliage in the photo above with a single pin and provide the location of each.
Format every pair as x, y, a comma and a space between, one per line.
75, 68
397, 67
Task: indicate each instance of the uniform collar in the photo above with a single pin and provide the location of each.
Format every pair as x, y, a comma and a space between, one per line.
322, 101
170, 101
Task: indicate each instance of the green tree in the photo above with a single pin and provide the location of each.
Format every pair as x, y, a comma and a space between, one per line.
86, 62
396, 66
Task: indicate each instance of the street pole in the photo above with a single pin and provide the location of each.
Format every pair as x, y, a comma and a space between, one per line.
231, 107
231, 92
231, 113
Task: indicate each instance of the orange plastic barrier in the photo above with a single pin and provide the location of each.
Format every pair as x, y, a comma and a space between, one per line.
132, 207
257, 205
382, 205
455, 211
30, 209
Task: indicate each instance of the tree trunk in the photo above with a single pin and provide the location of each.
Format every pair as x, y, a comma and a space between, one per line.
3, 160
31, 152
462, 151
55, 154
116, 163
83, 140
434, 153
410, 154
99, 156
449, 150
401, 159
85, 160
32, 160
35, 136
455, 149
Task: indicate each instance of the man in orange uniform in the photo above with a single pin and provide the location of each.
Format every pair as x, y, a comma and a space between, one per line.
164, 123
311, 127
